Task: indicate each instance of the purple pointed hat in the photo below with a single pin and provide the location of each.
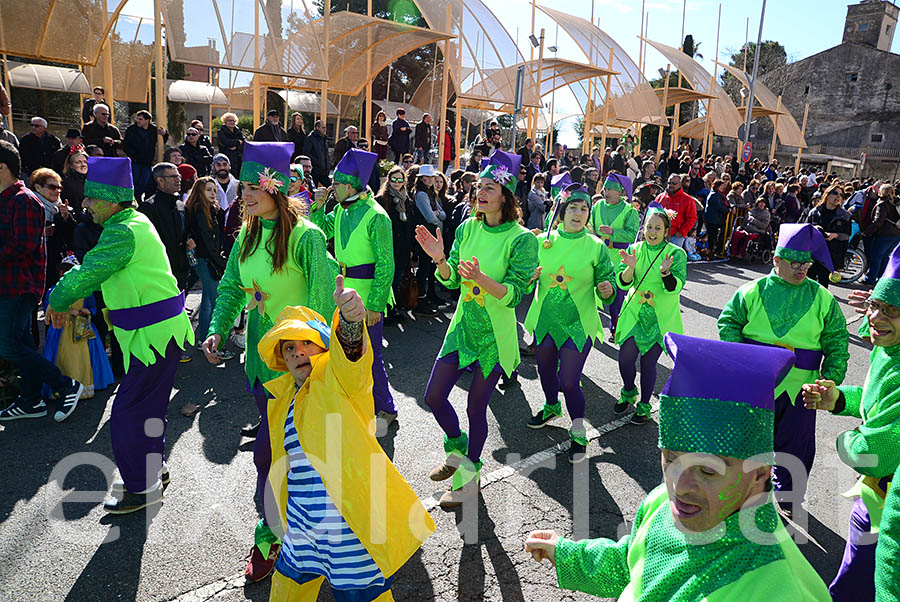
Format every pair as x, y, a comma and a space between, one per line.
720, 397
109, 179
267, 164
803, 242
619, 182
559, 182
503, 168
355, 168
888, 287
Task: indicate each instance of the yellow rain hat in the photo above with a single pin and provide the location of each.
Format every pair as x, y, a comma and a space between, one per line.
292, 324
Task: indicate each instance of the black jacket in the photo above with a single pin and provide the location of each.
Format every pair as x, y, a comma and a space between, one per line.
298, 137
73, 191
94, 133
37, 151
87, 110
399, 140
197, 157
208, 238
316, 148
141, 147
423, 136
169, 223
340, 149
270, 133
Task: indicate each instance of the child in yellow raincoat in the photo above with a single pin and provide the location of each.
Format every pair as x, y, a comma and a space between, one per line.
346, 513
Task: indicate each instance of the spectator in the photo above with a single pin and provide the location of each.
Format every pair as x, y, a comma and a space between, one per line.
552, 166
306, 164
173, 155
522, 186
194, 154
631, 165
445, 204
5, 106
374, 182
93, 150
534, 166
23, 263
271, 130
537, 203
618, 160
7, 136
351, 136
648, 173
203, 139
735, 196
596, 160
226, 184
714, 215
140, 146
407, 162
188, 176
474, 164
676, 199
399, 139
836, 225
432, 218
87, 109
756, 225
59, 220
768, 193
790, 211
74, 173
392, 196
380, 136
772, 171
752, 193
230, 139
591, 179
296, 133
37, 147
884, 232
316, 148
525, 152
449, 148
162, 210
102, 133
423, 140
73, 141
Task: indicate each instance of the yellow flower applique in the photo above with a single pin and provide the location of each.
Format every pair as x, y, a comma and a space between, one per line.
473, 293
646, 297
258, 298
559, 279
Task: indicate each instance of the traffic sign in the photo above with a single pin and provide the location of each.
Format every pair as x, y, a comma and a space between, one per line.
747, 152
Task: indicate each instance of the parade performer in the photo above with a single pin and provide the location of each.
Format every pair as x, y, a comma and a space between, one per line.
787, 309
492, 262
364, 248
278, 260
711, 531
353, 521
558, 183
616, 222
573, 271
653, 272
130, 267
877, 403
887, 552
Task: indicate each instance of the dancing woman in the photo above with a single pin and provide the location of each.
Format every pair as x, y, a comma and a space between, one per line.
492, 261
653, 272
574, 270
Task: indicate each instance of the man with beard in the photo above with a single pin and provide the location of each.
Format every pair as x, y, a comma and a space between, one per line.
226, 184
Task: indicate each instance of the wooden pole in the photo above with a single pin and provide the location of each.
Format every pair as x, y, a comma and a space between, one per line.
673, 142
531, 126
802, 135
160, 87
369, 98
606, 108
665, 103
456, 131
256, 121
712, 83
323, 110
642, 57
540, 76
445, 82
775, 132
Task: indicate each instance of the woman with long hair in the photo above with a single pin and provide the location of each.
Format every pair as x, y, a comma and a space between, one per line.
653, 271
380, 136
884, 230
279, 259
492, 262
400, 209
73, 176
444, 204
296, 133
836, 225
431, 217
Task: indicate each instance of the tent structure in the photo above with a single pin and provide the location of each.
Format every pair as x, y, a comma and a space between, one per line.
46, 77
306, 102
196, 93
413, 113
132, 54
674, 96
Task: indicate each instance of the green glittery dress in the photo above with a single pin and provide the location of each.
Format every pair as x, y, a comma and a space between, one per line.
622, 218
306, 278
887, 553
483, 328
657, 562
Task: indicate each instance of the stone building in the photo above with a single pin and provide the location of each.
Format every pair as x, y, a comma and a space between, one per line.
853, 91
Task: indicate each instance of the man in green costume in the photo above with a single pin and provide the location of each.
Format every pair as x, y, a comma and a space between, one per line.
146, 308
711, 531
887, 553
364, 248
789, 310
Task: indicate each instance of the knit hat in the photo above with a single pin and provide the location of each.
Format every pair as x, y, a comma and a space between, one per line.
109, 179
186, 171
720, 397
503, 168
292, 324
803, 242
355, 168
559, 182
221, 157
888, 287
267, 164
619, 182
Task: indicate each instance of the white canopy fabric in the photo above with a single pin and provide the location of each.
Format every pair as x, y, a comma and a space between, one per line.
45, 77
196, 93
307, 102
413, 114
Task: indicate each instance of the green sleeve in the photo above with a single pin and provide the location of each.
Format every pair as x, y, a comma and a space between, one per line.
453, 260
594, 566
603, 272
632, 224
523, 260
114, 250
878, 437
733, 318
620, 269
853, 400
231, 299
325, 221
320, 271
887, 553
835, 341
382, 239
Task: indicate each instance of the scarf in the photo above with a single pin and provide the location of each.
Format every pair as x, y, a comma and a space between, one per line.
399, 199
50, 208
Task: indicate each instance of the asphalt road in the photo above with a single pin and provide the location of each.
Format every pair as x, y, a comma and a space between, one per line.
57, 544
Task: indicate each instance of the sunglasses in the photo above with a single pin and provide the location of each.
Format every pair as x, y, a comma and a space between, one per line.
53, 187
799, 265
397, 180
103, 114
294, 179
407, 162
194, 134
35, 125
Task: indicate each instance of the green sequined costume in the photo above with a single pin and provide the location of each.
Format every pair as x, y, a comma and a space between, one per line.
657, 562
887, 553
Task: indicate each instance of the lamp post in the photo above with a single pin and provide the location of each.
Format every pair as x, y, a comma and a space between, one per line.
749, 116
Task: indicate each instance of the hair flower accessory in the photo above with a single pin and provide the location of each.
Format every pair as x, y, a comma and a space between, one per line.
501, 174
268, 181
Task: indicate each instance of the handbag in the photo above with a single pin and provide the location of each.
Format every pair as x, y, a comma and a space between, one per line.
408, 289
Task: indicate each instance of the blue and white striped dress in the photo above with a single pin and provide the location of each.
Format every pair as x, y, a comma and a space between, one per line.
318, 540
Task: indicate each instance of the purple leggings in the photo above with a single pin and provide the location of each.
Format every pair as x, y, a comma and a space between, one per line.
444, 374
560, 370
628, 356
262, 451
856, 577
614, 308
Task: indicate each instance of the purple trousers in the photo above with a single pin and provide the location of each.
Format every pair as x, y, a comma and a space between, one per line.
137, 426
262, 449
614, 308
855, 580
444, 374
795, 434
560, 370
384, 401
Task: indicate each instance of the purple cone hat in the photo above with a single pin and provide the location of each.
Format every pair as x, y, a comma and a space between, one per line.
621, 183
109, 179
720, 397
355, 168
803, 242
888, 287
558, 183
503, 168
267, 164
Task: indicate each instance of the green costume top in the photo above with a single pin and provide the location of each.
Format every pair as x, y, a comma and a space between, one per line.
566, 301
877, 403
625, 222
129, 265
649, 312
483, 328
804, 316
657, 562
887, 553
306, 278
365, 238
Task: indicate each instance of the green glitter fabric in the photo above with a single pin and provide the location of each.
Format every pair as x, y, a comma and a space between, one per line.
251, 172
793, 254
108, 192
466, 472
887, 290
786, 303
560, 319
551, 409
457, 445
646, 332
578, 435
626, 396
473, 339
343, 178
715, 426
887, 554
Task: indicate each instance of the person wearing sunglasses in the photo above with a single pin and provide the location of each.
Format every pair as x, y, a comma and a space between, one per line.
100, 132
141, 138
788, 309
195, 153
400, 208
59, 220
38, 146
374, 179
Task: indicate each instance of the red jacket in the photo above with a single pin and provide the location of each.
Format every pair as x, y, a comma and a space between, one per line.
685, 208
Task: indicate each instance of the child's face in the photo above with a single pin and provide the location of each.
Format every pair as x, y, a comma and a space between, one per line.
296, 356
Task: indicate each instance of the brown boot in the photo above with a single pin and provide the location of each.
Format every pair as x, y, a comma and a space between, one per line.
457, 497
444, 471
